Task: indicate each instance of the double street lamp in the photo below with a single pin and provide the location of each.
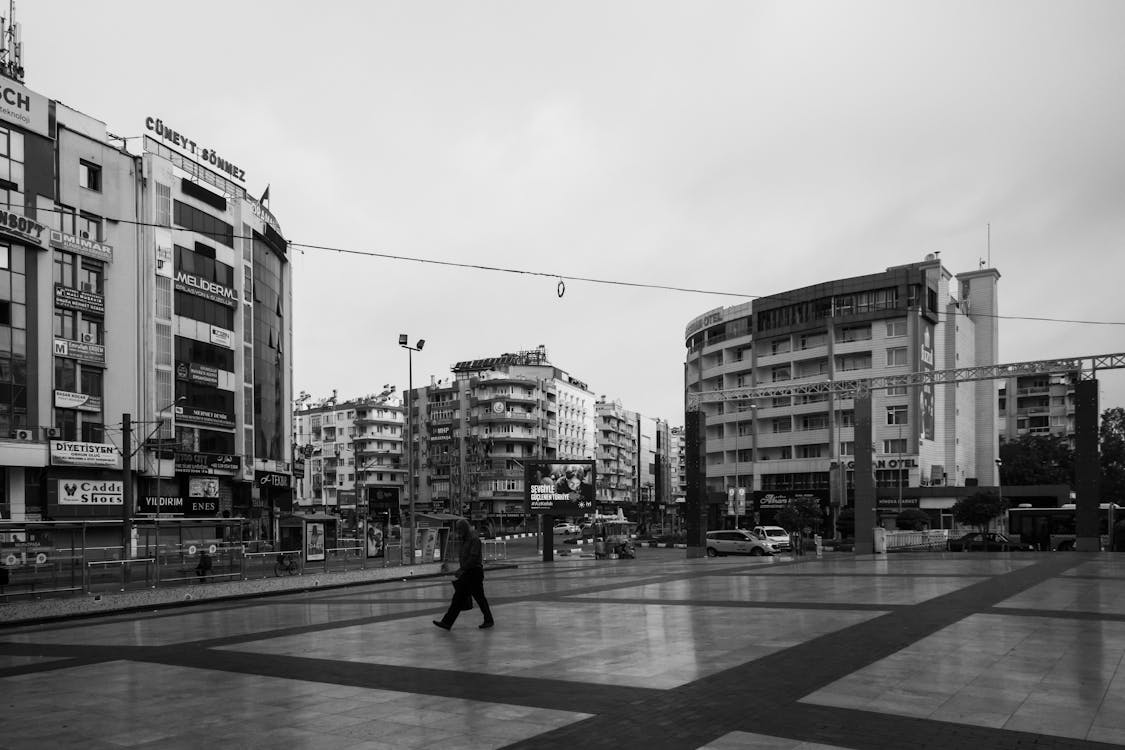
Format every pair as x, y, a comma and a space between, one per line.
404, 342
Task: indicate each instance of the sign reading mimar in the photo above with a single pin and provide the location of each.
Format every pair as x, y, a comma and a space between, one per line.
81, 245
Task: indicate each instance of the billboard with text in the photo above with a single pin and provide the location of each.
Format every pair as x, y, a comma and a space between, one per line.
563, 488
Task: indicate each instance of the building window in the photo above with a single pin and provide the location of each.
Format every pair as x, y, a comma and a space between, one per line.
896, 328
89, 175
894, 447
898, 390
783, 424
896, 357
896, 414
810, 451
858, 361
64, 268
66, 375
847, 448
89, 227
66, 324
853, 333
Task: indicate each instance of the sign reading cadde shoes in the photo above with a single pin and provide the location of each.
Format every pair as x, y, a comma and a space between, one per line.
90, 492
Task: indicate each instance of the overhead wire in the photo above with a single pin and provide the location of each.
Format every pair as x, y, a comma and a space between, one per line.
564, 277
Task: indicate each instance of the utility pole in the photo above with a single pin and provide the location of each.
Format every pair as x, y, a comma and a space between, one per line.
126, 484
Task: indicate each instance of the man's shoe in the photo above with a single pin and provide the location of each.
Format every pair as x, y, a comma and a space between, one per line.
486, 625
442, 625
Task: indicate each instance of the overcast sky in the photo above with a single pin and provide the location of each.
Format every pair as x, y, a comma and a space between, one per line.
731, 147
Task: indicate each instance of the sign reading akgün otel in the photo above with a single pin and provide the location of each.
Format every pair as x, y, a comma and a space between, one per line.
186, 282
24, 107
81, 245
22, 228
204, 155
71, 453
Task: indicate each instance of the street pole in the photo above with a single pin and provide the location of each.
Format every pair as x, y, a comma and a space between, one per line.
404, 342
127, 484
410, 447
899, 467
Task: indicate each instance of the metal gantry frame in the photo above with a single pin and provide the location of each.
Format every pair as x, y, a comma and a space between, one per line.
1086, 367
860, 389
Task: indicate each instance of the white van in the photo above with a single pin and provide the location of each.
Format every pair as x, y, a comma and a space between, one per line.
775, 534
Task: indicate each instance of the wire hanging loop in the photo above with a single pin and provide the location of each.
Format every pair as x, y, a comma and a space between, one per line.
561, 288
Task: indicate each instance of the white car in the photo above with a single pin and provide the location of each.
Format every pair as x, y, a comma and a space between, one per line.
737, 542
565, 528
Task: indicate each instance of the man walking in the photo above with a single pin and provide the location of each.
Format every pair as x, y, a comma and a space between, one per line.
468, 580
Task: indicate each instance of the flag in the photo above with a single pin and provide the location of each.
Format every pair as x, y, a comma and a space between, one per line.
265, 196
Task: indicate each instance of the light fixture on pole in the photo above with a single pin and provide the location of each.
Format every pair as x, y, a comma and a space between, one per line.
404, 342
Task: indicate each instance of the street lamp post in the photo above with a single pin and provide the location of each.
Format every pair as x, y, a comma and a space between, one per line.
404, 342
999, 484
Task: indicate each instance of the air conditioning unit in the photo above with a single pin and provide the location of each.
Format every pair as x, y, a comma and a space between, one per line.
87, 338
54, 432
87, 286
23, 434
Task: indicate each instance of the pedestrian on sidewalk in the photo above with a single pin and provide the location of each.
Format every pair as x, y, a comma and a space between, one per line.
468, 583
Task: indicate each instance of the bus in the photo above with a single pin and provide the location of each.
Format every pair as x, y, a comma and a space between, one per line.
1053, 528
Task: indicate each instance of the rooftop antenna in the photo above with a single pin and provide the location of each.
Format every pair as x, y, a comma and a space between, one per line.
11, 45
989, 228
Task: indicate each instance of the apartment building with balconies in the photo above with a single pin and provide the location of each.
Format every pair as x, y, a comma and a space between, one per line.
1037, 405
354, 456
476, 430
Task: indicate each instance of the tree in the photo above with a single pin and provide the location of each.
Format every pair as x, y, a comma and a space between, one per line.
1037, 459
801, 512
978, 509
1111, 440
912, 519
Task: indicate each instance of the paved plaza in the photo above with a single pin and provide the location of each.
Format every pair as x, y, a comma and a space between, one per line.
934, 650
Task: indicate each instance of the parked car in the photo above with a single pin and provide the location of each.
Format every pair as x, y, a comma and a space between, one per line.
565, 528
775, 534
737, 542
989, 542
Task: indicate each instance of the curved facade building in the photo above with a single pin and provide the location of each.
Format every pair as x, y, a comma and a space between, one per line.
906, 319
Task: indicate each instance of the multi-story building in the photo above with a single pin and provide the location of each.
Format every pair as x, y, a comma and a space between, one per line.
909, 318
677, 465
475, 432
617, 454
353, 457
1037, 405
144, 311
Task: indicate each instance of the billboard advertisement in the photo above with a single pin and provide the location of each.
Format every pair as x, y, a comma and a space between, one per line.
564, 488
927, 405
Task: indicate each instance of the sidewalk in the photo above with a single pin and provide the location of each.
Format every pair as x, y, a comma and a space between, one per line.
941, 650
